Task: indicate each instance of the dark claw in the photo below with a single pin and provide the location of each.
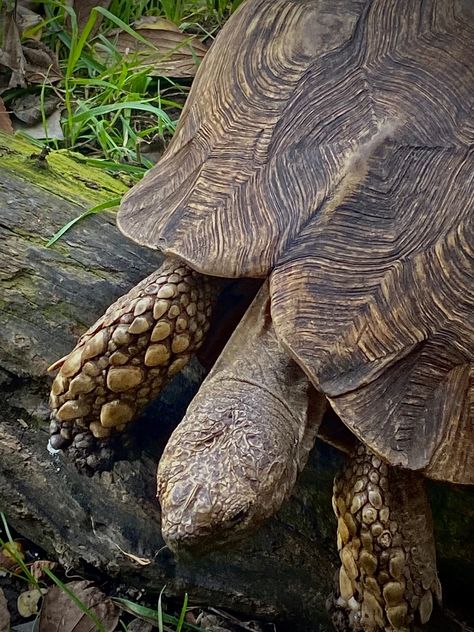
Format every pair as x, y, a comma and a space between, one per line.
58, 442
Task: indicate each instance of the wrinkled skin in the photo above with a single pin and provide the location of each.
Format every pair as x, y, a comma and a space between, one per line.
230, 464
234, 458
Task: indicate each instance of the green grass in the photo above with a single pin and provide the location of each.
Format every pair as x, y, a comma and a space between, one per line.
209, 12
113, 106
159, 617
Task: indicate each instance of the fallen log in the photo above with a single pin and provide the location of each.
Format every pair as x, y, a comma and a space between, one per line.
108, 525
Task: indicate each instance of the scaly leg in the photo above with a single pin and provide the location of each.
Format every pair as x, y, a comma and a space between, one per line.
388, 577
122, 362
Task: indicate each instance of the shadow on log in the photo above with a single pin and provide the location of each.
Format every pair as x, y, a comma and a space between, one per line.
49, 297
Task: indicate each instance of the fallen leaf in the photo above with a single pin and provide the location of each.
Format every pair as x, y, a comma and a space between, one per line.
30, 107
38, 567
138, 625
28, 21
28, 602
25, 63
59, 611
4, 614
53, 130
83, 9
10, 553
41, 62
211, 623
27, 4
170, 52
5, 121
11, 56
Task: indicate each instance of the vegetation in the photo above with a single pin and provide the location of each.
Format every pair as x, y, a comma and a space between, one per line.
114, 104
118, 110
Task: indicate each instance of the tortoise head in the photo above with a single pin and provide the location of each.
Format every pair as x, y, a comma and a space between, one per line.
228, 466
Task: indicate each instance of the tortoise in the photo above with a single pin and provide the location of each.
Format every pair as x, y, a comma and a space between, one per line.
327, 148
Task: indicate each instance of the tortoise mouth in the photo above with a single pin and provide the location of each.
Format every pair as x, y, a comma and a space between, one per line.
194, 544
200, 538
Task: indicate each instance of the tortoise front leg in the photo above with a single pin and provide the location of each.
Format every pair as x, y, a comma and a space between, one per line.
122, 362
385, 539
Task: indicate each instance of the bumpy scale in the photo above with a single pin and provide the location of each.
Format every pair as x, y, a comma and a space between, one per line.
121, 363
388, 578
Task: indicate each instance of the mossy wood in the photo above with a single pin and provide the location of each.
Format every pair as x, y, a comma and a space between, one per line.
50, 296
47, 298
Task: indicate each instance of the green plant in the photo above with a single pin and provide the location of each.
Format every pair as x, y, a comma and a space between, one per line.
222, 8
9, 544
112, 105
26, 574
112, 203
130, 10
159, 617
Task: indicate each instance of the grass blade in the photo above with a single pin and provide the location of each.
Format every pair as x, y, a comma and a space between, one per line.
150, 614
182, 613
126, 105
12, 550
77, 601
160, 611
91, 211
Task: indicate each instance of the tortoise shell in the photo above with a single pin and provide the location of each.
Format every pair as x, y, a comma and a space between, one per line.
328, 144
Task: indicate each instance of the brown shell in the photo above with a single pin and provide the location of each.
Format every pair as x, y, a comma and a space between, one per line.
375, 296
243, 172
331, 141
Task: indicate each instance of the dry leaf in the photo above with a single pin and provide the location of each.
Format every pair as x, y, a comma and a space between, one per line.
171, 52
22, 64
138, 625
41, 62
27, 4
212, 623
53, 129
29, 107
83, 9
5, 121
4, 614
38, 567
9, 553
28, 19
28, 602
60, 613
11, 56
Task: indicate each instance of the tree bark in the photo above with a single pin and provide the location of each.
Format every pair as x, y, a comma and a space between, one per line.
100, 525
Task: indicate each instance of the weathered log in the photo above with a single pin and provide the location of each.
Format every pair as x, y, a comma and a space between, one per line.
48, 297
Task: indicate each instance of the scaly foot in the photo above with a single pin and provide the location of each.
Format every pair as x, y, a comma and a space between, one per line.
123, 361
385, 539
